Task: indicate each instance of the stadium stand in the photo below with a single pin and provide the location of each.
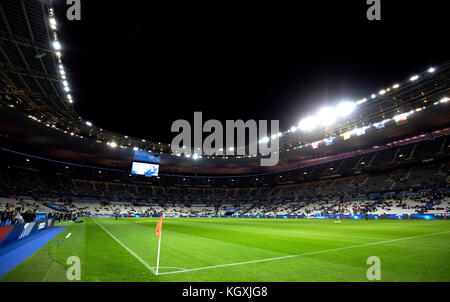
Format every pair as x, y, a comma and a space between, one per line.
398, 180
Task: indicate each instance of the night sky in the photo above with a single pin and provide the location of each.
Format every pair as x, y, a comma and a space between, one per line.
136, 68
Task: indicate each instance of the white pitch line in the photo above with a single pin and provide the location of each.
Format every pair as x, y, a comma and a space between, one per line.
68, 235
130, 251
298, 255
178, 268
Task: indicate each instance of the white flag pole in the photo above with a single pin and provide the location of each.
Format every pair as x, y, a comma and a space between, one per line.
159, 248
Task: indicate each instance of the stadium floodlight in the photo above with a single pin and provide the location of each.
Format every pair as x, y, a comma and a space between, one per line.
52, 23
280, 134
413, 78
444, 100
66, 89
395, 86
113, 144
373, 95
361, 101
293, 129
345, 108
88, 123
195, 156
382, 91
431, 69
65, 83
307, 124
325, 117
56, 45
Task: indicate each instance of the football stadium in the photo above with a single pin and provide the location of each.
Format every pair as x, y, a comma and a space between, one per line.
359, 193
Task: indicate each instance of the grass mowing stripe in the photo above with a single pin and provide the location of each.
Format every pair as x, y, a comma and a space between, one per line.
125, 247
304, 254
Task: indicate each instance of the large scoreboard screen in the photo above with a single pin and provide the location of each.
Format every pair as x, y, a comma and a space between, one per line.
145, 169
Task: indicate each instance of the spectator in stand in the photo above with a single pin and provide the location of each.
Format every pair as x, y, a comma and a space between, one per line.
4, 215
28, 216
19, 218
12, 217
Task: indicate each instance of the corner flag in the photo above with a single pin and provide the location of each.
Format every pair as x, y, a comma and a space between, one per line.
159, 228
158, 234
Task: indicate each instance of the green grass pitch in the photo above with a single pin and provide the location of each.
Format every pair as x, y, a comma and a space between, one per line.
236, 249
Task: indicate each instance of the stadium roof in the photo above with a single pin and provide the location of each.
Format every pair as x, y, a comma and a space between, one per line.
33, 77
29, 63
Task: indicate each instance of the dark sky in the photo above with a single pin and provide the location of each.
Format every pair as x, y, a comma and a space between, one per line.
137, 66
